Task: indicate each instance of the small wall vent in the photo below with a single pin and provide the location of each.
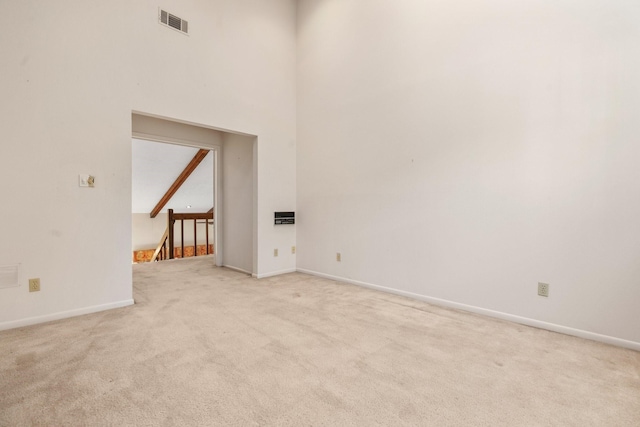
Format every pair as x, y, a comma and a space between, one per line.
9, 275
174, 22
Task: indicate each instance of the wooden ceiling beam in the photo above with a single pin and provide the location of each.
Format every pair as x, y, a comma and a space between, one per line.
193, 164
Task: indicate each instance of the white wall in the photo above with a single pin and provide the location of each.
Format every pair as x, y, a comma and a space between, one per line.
147, 231
467, 150
68, 94
237, 194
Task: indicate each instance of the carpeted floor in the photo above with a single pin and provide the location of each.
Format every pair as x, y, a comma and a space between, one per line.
209, 346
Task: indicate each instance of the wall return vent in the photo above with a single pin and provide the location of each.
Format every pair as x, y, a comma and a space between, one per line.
173, 21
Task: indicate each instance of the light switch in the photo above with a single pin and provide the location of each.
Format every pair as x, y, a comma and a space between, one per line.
85, 180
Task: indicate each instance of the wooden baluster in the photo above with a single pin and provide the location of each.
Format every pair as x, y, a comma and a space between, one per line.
206, 227
182, 238
171, 241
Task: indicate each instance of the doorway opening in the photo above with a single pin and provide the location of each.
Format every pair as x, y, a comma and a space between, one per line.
230, 160
172, 201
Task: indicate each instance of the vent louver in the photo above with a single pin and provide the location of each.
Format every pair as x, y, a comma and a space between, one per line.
174, 22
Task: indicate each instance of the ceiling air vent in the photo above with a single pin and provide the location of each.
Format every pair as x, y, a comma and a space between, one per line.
174, 22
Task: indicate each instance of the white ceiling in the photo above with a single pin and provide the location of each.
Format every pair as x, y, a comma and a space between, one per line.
155, 166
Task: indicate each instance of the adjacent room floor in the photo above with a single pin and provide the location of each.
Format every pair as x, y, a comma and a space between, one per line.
211, 346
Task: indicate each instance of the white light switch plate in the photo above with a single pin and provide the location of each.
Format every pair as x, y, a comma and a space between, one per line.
85, 180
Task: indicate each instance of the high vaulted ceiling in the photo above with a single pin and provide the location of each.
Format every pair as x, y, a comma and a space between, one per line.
156, 165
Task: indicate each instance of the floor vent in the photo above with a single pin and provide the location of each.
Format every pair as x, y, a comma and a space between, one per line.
173, 21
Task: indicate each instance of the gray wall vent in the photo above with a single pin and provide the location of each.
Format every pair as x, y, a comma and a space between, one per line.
173, 21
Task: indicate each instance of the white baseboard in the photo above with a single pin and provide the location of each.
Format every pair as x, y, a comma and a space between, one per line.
486, 312
63, 315
274, 273
238, 269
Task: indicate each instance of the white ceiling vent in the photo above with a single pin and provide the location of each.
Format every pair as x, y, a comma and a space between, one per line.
174, 22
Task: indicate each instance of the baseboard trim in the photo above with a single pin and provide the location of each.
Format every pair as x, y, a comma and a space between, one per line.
238, 269
486, 312
274, 273
63, 315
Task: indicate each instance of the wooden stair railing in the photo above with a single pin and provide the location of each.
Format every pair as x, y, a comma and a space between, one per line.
161, 251
182, 217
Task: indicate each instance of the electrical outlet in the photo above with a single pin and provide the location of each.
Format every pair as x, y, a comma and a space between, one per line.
338, 257
275, 252
34, 285
543, 289
293, 249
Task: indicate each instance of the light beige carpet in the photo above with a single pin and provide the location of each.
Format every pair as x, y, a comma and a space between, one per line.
209, 346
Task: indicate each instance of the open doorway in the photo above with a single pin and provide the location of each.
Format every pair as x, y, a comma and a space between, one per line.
234, 157
170, 179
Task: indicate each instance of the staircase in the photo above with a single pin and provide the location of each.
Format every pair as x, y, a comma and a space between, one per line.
167, 248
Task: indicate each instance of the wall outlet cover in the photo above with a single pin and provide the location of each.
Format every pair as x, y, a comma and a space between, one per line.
543, 289
34, 285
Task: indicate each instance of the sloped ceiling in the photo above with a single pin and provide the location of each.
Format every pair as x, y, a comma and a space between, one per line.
155, 166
